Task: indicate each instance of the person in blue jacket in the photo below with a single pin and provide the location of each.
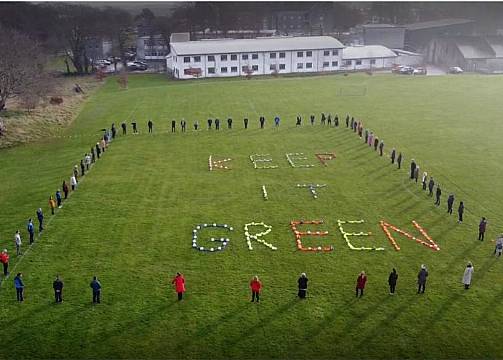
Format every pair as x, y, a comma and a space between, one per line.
276, 121
40, 216
96, 286
58, 198
19, 285
31, 230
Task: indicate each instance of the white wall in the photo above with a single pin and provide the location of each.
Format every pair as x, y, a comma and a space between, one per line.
263, 63
380, 63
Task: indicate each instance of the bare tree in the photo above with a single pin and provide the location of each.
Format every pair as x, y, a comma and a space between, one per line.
21, 65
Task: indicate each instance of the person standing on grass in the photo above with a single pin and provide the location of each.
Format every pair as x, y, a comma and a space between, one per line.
376, 143
65, 189
431, 185
31, 230
393, 154
245, 122
329, 120
360, 283
311, 118
73, 182
467, 276
183, 124
298, 122
57, 285
412, 168
58, 198
4, 259
416, 174
229, 123
217, 124
17, 242
336, 120
114, 131
255, 286
347, 120
135, 129
392, 279
498, 249
210, 121
87, 158
150, 125
123, 125
262, 122
352, 123
437, 195
381, 147
98, 151
93, 156
173, 125
302, 284
19, 285
276, 121
76, 172
423, 179
421, 279
103, 145
450, 203
371, 139
461, 210
482, 228
52, 204
40, 217
399, 160
96, 286
179, 283
82, 168
196, 125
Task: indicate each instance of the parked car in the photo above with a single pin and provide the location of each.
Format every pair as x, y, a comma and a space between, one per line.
396, 68
419, 71
406, 70
103, 62
455, 70
136, 65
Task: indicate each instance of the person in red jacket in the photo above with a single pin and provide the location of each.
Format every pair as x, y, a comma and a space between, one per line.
255, 286
4, 259
360, 283
179, 282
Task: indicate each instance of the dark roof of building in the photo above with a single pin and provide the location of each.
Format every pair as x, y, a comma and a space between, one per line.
437, 23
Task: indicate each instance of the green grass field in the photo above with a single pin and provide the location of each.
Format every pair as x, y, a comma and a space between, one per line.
131, 221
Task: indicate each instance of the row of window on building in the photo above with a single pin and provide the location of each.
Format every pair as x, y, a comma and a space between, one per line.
273, 55
274, 67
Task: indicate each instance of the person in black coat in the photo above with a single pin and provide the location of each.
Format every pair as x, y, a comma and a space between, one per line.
438, 194
57, 285
393, 155
461, 210
173, 125
399, 160
450, 202
299, 121
323, 118
421, 279
229, 123
392, 279
302, 283
312, 119
376, 143
412, 168
211, 121
336, 120
124, 128
150, 125
381, 147
347, 121
431, 185
262, 122
329, 120
245, 121
217, 124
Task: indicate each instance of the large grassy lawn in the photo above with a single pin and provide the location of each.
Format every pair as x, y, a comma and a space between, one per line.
131, 222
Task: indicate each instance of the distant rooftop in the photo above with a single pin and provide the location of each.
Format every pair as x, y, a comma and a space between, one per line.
366, 52
377, 26
437, 23
227, 46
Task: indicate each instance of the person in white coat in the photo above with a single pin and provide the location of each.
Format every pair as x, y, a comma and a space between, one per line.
73, 182
467, 276
17, 242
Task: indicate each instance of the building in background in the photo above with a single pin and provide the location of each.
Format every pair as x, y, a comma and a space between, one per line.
244, 57
418, 35
391, 36
367, 57
98, 48
471, 53
152, 49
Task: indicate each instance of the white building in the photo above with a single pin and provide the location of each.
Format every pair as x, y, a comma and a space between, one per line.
260, 56
367, 57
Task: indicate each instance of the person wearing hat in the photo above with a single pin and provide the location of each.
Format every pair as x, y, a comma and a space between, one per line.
360, 283
467, 276
302, 282
421, 279
4, 259
179, 283
255, 286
